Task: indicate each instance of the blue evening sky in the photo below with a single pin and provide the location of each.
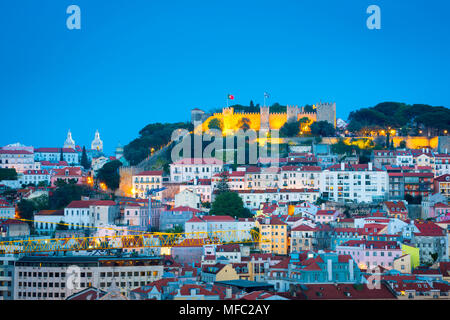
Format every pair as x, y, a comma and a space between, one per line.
140, 61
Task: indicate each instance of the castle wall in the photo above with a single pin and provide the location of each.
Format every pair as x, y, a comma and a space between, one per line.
274, 120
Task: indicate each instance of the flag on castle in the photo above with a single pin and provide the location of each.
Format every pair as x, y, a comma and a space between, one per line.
230, 96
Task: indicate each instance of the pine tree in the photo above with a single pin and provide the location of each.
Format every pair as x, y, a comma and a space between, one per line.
61, 155
84, 159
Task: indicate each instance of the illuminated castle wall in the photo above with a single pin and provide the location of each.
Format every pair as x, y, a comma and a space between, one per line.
265, 120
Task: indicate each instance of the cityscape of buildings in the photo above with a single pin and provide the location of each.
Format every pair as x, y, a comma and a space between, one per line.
319, 225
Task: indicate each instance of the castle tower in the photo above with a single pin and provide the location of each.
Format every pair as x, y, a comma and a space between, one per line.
119, 151
97, 144
292, 113
326, 112
265, 117
69, 143
197, 116
228, 124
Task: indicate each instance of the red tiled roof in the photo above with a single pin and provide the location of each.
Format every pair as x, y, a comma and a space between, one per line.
185, 209
150, 173
14, 152
54, 150
428, 229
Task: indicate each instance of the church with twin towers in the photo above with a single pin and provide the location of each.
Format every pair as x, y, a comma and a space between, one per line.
265, 119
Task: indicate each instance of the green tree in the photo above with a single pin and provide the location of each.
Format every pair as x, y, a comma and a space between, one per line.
215, 124
323, 129
8, 174
65, 193
61, 226
61, 155
290, 129
84, 159
402, 144
109, 174
156, 136
26, 210
244, 124
229, 204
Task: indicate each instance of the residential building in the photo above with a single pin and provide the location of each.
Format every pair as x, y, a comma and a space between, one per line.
90, 213
368, 254
34, 177
70, 155
52, 278
442, 185
432, 241
354, 183
68, 175
7, 210
20, 160
188, 169
146, 181
274, 235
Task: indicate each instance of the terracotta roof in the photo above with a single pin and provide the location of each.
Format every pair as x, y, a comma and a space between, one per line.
428, 229
150, 173
54, 150
50, 213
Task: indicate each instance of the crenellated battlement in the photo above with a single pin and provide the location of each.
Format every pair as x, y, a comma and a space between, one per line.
325, 111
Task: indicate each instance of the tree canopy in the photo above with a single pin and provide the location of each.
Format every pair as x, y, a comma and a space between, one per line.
323, 129
290, 129
229, 204
400, 115
109, 174
155, 135
65, 193
8, 174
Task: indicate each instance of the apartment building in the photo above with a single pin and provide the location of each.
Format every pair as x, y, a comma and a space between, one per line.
55, 278
354, 183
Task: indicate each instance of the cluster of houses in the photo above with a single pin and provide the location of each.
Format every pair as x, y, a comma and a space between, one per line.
328, 228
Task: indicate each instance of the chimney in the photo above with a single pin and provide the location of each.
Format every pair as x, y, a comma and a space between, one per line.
342, 166
370, 166
323, 206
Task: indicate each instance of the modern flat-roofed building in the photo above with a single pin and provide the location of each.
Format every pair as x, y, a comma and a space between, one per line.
55, 278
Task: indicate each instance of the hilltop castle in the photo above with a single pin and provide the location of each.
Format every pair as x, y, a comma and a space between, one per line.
265, 120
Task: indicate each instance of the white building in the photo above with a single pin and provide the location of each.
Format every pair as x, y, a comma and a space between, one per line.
20, 160
187, 198
202, 187
354, 183
233, 229
146, 181
47, 221
71, 156
34, 177
7, 211
189, 169
254, 198
136, 215
51, 278
90, 213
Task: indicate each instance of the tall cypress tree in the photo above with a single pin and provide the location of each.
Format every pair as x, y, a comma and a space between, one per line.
61, 155
84, 159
